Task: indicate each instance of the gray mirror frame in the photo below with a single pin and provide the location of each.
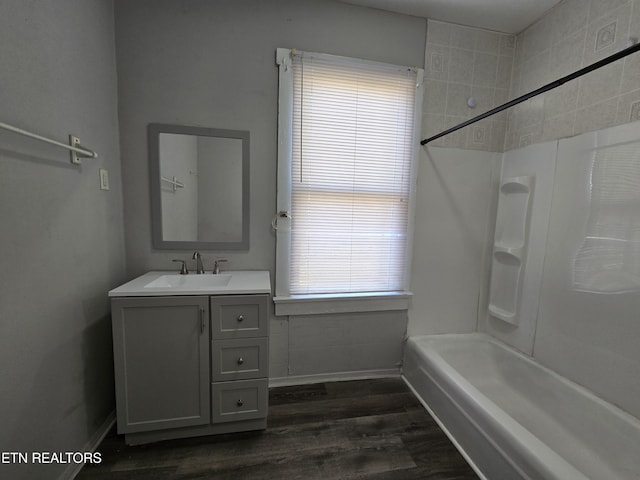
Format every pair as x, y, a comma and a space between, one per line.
153, 137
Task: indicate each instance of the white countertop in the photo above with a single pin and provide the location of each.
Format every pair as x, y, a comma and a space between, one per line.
240, 282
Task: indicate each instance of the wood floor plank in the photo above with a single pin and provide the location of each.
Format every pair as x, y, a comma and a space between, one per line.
329, 408
362, 430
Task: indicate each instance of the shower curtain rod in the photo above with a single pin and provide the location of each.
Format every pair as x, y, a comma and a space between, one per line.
545, 88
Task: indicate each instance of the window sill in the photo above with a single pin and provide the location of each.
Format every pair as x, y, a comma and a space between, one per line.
341, 303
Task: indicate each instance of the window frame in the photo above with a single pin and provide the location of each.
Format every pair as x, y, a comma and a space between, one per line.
290, 304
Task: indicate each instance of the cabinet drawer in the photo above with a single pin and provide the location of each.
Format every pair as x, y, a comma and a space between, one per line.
239, 316
241, 400
239, 359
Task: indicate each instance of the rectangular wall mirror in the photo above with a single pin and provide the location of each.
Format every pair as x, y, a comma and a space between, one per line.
199, 181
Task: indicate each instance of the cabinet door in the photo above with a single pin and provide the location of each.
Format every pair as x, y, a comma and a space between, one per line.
161, 359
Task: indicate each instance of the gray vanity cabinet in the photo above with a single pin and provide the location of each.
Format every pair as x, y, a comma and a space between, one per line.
161, 359
190, 365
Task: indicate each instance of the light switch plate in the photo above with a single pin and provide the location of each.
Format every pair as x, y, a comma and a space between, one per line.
104, 179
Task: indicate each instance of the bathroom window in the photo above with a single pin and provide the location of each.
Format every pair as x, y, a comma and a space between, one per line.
348, 138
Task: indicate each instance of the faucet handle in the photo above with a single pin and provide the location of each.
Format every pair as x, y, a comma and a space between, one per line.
183, 270
216, 266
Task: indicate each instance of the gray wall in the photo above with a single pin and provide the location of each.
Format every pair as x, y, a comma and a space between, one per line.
61, 239
212, 64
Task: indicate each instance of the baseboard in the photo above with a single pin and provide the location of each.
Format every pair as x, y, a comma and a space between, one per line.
333, 377
74, 468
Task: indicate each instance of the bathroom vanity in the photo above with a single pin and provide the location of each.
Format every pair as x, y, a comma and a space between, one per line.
190, 354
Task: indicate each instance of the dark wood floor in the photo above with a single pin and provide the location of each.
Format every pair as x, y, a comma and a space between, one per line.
366, 430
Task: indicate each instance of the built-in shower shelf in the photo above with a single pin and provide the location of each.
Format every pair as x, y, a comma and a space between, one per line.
502, 314
510, 247
517, 185
507, 254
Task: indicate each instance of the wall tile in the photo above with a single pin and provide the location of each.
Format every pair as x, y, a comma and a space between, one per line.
484, 97
461, 65
436, 62
479, 135
629, 107
487, 42
498, 132
635, 112
559, 126
463, 37
535, 72
439, 33
600, 85
580, 32
562, 99
518, 56
537, 38
461, 62
525, 139
456, 139
631, 72
516, 82
500, 96
485, 67
510, 141
507, 45
607, 34
457, 95
568, 17
567, 53
598, 8
435, 97
512, 118
503, 74
529, 135
634, 28
596, 117
530, 112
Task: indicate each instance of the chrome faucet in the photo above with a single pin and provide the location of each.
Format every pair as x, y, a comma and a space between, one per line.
216, 265
198, 259
183, 269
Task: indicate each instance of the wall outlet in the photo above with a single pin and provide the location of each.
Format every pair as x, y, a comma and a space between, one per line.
104, 179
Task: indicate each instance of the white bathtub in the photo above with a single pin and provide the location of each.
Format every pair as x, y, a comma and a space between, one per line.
514, 419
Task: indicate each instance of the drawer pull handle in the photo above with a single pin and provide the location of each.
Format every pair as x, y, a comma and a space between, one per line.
240, 402
240, 360
240, 318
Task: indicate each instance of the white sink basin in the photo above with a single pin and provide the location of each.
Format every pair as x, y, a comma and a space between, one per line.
191, 282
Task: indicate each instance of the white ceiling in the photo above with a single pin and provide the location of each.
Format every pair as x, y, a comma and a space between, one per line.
508, 16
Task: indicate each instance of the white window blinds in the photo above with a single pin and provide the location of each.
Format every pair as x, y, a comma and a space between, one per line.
353, 141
